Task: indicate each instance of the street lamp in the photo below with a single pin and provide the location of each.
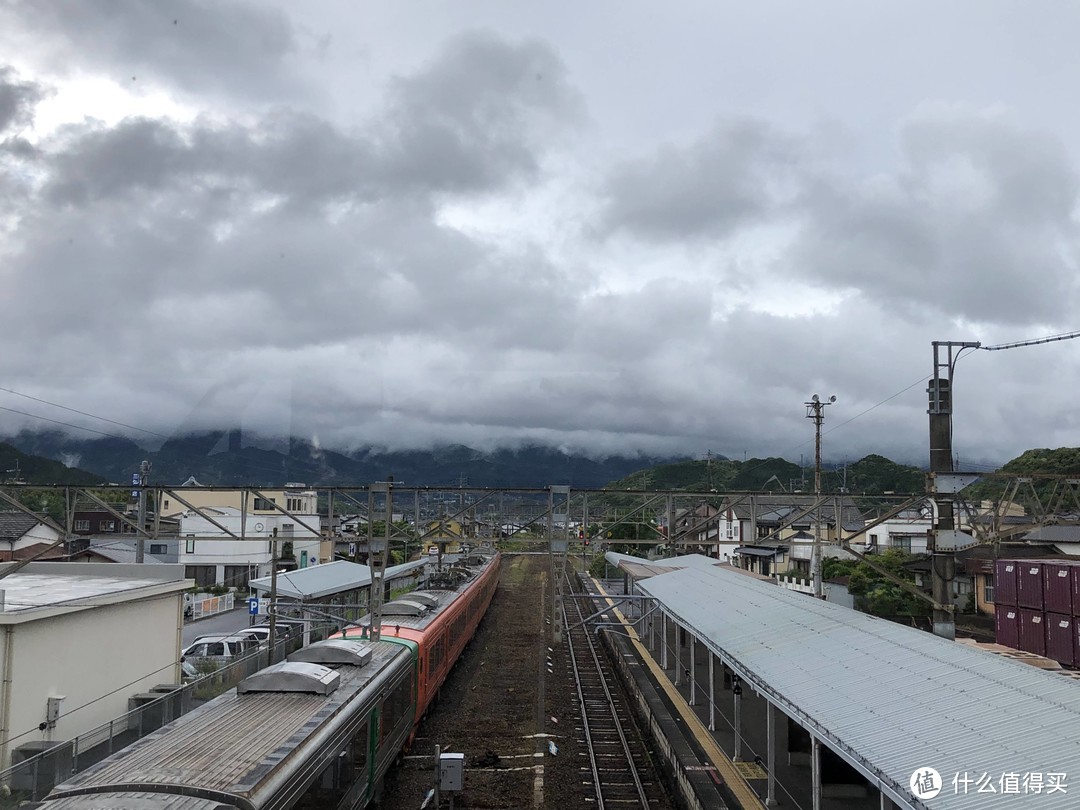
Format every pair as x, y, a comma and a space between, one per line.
815, 409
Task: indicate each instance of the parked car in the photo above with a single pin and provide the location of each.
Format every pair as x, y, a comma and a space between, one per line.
259, 632
283, 627
219, 649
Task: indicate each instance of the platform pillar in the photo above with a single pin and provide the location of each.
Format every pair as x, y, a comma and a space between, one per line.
663, 641
693, 671
736, 691
712, 692
678, 658
770, 731
815, 772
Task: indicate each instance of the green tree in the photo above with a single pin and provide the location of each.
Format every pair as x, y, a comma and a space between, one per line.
879, 596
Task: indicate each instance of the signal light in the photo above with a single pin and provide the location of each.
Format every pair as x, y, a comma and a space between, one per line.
586, 541
581, 534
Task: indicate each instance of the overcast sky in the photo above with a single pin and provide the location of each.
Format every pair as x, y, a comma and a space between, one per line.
608, 226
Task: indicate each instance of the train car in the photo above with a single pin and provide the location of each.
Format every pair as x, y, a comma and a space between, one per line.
318, 730
440, 620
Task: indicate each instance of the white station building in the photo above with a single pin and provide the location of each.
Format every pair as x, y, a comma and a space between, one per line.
78, 640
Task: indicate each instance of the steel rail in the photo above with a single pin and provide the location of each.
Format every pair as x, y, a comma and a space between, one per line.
587, 719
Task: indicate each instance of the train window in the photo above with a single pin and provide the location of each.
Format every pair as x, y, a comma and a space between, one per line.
344, 780
359, 752
398, 704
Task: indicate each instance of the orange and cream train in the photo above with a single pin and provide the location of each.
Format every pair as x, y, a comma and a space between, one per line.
320, 729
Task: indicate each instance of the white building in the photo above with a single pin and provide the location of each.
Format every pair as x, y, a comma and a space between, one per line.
212, 556
907, 532
79, 639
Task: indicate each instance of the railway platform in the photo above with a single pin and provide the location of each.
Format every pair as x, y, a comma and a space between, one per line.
788, 701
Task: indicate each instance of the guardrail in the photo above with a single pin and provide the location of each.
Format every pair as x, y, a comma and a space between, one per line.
39, 766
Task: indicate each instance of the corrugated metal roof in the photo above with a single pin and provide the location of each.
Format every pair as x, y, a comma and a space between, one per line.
317, 580
233, 744
329, 578
891, 698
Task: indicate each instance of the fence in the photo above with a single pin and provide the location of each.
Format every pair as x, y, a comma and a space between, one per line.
795, 584
209, 605
39, 766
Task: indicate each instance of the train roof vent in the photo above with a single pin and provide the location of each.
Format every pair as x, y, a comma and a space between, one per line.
291, 676
423, 597
403, 607
333, 651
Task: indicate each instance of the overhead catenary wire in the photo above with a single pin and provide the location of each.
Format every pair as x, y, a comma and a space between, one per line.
1032, 342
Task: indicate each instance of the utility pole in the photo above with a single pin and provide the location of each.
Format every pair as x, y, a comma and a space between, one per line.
943, 537
945, 482
377, 560
815, 409
273, 593
140, 538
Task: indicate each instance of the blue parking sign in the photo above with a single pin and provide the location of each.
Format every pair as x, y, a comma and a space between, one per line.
253, 606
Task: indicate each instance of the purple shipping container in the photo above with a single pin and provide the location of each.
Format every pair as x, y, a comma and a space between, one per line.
1005, 582
1029, 585
1061, 638
1076, 590
1007, 625
1032, 631
1057, 587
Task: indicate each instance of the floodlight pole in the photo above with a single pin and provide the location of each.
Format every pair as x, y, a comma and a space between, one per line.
815, 409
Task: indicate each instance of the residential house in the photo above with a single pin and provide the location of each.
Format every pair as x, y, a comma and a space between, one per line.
907, 531
23, 536
770, 533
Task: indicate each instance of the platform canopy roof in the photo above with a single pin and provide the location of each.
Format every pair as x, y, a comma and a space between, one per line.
318, 581
889, 699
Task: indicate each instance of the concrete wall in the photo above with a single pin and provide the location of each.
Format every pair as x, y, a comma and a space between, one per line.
95, 658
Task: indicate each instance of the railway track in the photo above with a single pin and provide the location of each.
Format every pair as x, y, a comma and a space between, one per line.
619, 767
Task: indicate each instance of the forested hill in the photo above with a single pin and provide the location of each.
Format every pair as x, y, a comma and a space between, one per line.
19, 467
872, 475
226, 458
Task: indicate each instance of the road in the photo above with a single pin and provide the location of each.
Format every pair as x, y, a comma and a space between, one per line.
221, 623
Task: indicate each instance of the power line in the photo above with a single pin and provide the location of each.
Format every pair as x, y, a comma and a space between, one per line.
83, 413
874, 407
57, 421
1032, 342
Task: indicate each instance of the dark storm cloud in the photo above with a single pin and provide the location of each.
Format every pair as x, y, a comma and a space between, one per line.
17, 100
977, 223
483, 111
291, 233
236, 49
475, 119
739, 173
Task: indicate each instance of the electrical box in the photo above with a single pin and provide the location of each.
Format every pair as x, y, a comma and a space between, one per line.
52, 710
452, 772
